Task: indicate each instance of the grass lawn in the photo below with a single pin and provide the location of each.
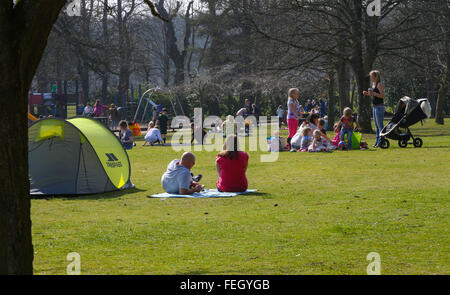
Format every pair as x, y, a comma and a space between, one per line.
313, 214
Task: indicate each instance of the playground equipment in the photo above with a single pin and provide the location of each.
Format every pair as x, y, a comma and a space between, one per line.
150, 92
77, 156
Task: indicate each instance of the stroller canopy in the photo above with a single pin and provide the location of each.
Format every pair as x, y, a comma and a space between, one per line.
407, 105
409, 111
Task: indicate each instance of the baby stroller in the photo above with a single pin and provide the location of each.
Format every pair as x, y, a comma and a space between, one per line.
409, 111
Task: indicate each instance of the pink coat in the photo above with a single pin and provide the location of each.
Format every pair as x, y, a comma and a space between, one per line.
336, 140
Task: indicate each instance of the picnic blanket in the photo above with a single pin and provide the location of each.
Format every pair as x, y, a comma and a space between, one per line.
207, 193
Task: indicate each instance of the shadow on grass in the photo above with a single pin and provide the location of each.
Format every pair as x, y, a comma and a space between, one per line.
436, 147
110, 195
431, 135
255, 194
204, 271
194, 272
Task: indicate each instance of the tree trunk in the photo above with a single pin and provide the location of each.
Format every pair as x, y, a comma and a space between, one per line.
443, 90
352, 102
360, 72
179, 70
445, 78
105, 87
83, 72
124, 71
16, 249
178, 57
24, 29
343, 84
331, 100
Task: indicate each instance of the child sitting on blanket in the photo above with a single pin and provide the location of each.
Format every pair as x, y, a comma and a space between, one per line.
318, 143
178, 178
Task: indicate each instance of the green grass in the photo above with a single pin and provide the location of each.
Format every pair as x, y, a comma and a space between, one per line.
314, 214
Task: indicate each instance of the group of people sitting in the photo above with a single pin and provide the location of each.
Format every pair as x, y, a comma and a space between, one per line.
231, 166
312, 135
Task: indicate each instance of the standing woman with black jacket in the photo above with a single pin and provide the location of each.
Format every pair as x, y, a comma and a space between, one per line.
377, 94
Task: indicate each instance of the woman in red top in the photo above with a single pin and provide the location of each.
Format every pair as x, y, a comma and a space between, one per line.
231, 166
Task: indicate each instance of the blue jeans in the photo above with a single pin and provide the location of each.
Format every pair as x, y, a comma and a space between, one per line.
349, 133
378, 117
127, 145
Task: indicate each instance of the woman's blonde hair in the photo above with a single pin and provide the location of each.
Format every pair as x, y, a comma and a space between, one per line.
348, 112
377, 75
305, 131
230, 147
292, 91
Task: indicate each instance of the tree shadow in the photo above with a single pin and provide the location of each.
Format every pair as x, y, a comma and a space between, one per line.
100, 196
203, 271
436, 147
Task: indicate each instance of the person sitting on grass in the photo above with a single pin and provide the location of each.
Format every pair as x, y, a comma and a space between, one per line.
347, 124
178, 178
231, 165
337, 137
313, 122
153, 135
322, 126
200, 137
125, 135
306, 139
296, 140
318, 144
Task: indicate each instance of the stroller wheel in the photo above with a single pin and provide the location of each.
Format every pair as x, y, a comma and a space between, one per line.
384, 144
418, 142
403, 143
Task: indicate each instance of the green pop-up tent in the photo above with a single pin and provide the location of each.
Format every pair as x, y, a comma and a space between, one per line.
77, 156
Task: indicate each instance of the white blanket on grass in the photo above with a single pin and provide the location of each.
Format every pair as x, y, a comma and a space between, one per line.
207, 193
